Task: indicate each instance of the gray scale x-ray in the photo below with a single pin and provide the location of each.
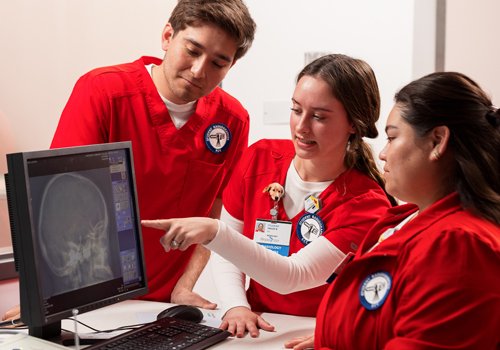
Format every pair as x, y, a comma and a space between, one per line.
74, 227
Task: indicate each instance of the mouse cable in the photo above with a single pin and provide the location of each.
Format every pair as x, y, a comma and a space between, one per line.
128, 327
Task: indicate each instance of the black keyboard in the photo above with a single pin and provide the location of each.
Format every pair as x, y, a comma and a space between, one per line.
167, 333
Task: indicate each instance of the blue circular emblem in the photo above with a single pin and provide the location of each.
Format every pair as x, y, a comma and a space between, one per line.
217, 138
309, 227
374, 289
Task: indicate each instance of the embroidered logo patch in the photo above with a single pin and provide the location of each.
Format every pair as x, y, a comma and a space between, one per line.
374, 289
309, 227
217, 138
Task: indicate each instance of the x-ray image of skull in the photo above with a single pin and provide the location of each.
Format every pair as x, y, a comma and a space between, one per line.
73, 232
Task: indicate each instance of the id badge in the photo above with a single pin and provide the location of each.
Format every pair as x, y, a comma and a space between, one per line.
274, 235
312, 204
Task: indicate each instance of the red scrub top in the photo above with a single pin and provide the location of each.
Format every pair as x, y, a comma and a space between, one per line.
351, 204
445, 293
177, 174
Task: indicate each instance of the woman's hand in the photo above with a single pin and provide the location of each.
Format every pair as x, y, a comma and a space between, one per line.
301, 343
182, 233
239, 319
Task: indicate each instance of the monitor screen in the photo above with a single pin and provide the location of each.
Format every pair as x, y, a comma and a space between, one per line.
76, 231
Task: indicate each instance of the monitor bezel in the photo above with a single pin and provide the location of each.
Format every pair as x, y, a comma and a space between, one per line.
23, 231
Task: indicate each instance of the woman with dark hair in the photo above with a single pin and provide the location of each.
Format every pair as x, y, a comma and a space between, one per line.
333, 194
427, 275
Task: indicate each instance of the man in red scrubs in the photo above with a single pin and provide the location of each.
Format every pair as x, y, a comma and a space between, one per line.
186, 132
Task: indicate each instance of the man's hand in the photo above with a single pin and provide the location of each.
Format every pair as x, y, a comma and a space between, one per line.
300, 343
183, 296
13, 314
182, 293
240, 318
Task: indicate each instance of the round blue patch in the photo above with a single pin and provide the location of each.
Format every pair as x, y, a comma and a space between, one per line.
374, 289
309, 227
217, 138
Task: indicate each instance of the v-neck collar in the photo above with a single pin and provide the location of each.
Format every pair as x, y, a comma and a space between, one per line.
325, 194
160, 117
439, 210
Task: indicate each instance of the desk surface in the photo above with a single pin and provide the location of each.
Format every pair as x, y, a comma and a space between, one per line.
286, 327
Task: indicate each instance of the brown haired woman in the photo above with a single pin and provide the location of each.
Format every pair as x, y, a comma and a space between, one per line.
333, 194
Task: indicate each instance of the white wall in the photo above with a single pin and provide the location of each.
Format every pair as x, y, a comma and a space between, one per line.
379, 32
473, 42
46, 45
424, 38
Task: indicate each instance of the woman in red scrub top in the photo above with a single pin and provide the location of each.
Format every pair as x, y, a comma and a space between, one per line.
333, 193
427, 275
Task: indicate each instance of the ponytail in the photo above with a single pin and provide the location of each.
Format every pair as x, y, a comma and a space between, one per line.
359, 156
454, 100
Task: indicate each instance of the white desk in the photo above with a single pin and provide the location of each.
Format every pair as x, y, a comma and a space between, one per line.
286, 327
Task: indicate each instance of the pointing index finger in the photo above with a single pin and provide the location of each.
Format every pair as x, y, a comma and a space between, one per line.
158, 224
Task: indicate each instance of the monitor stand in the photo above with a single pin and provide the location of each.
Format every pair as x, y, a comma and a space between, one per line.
46, 332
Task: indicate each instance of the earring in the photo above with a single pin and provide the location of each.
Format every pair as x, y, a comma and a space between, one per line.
436, 153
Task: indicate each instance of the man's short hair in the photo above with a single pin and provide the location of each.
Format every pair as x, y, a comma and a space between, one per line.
232, 16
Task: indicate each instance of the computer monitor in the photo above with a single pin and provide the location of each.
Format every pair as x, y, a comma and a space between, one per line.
76, 231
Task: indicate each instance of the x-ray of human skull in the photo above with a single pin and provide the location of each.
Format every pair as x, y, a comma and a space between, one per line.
73, 232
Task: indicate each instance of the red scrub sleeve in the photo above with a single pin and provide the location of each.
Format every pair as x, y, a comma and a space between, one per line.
233, 197
449, 295
85, 119
241, 147
352, 220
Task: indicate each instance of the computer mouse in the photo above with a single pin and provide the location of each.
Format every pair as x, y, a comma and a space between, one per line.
183, 312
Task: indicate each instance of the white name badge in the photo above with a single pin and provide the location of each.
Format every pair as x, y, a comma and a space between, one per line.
274, 235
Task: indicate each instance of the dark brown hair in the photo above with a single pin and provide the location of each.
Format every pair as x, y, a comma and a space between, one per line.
457, 102
232, 16
353, 83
